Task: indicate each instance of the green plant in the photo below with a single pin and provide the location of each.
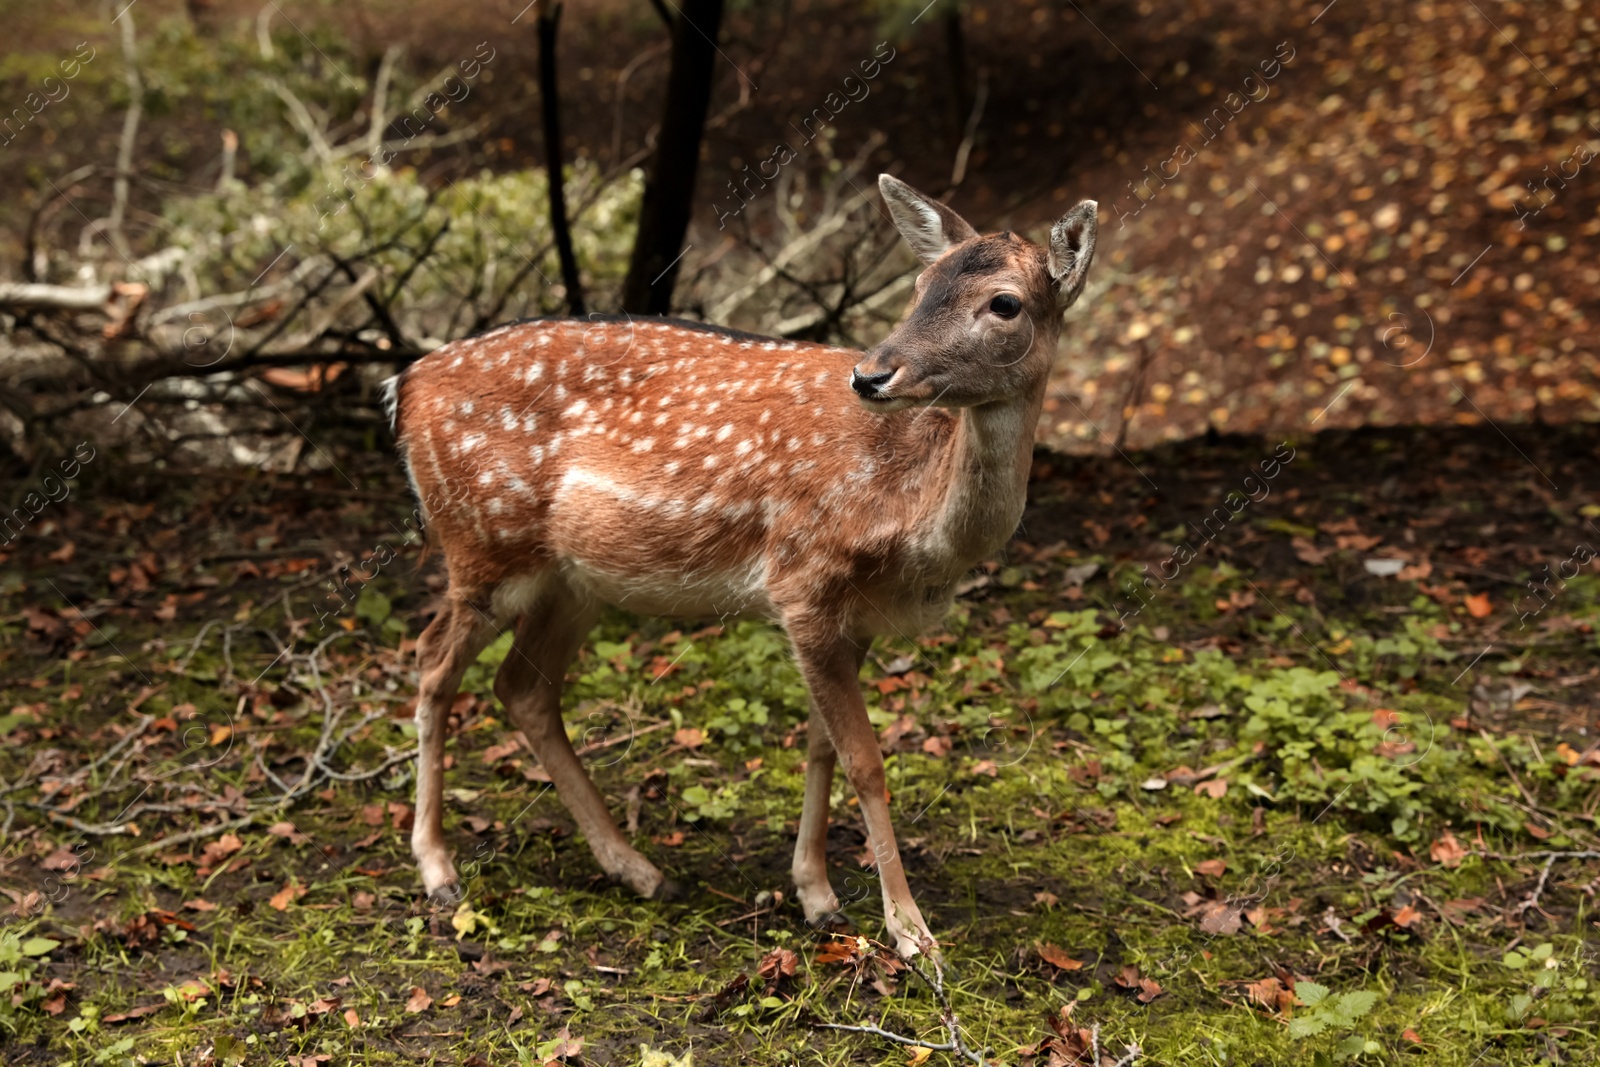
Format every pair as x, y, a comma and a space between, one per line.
20, 989
1329, 1012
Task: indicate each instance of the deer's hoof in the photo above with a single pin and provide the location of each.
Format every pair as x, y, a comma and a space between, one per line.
667, 891
828, 922
449, 895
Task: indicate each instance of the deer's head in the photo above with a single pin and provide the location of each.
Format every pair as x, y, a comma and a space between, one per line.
985, 314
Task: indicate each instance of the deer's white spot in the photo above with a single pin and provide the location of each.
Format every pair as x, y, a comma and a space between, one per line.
726, 432
743, 447
644, 445
471, 441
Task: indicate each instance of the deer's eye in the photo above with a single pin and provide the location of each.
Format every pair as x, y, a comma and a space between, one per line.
1005, 305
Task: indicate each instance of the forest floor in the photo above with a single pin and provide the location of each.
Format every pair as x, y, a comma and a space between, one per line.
1305, 801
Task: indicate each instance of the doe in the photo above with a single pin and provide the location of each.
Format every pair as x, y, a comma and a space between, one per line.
674, 468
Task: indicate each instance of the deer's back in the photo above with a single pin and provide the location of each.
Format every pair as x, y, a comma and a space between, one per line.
669, 467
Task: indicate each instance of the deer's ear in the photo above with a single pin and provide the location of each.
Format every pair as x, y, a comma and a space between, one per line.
928, 226
1072, 250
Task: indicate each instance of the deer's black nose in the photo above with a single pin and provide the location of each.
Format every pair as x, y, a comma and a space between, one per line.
869, 385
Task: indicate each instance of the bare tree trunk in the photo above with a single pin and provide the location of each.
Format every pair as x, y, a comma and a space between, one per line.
130, 134
550, 103
956, 64
669, 191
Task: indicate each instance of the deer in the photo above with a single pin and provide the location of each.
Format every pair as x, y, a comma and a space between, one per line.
673, 468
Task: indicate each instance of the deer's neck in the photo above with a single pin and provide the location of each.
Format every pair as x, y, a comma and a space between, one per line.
979, 501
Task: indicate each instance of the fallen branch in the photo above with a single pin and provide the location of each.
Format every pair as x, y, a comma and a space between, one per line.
1550, 857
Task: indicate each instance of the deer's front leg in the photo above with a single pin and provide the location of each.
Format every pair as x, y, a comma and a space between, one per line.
831, 667
811, 883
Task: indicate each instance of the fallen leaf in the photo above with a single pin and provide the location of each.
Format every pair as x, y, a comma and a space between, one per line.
62, 859
937, 746
689, 737
1406, 916
287, 895
1478, 605
220, 849
496, 753
288, 832
1211, 868
419, 1000
199, 904
778, 964
1307, 552
133, 1013
567, 1047
839, 950
1058, 958
1216, 788
1447, 851
1220, 919
919, 1055
1270, 993
351, 1019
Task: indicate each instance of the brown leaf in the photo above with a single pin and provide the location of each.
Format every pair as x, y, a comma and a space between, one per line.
199, 904
134, 1013
288, 832
419, 1000
220, 849
672, 840
689, 737
839, 950
937, 746
1447, 851
1307, 552
567, 1047
287, 895
1058, 958
496, 753
1216, 788
1406, 916
62, 859
1478, 605
1211, 868
777, 964
1220, 918
1270, 994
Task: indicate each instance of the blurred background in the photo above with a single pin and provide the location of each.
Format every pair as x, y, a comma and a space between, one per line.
1312, 216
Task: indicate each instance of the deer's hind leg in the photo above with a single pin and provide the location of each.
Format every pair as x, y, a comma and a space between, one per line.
445, 650
529, 685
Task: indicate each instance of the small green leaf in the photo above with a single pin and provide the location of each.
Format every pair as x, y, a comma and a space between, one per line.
1310, 993
1352, 1006
39, 946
